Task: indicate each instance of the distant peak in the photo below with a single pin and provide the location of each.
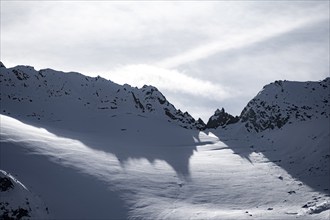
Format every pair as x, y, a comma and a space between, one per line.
149, 87
25, 67
218, 112
201, 122
221, 118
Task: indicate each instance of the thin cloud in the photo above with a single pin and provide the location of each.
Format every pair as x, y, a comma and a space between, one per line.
170, 80
237, 40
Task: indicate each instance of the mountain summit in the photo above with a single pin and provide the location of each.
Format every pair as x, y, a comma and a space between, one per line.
221, 118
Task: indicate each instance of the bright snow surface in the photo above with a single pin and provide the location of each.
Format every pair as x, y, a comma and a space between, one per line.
169, 173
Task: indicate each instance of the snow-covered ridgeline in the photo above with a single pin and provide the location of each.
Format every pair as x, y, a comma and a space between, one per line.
280, 103
49, 95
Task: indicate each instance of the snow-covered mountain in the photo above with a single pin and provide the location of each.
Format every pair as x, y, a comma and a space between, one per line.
288, 123
285, 102
280, 103
91, 149
49, 95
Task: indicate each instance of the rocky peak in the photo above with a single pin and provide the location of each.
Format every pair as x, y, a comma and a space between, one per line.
221, 118
151, 92
200, 124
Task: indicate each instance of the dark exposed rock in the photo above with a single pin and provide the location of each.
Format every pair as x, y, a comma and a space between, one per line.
283, 102
2, 65
152, 95
5, 184
221, 118
16, 201
12, 214
170, 115
20, 213
137, 102
201, 122
20, 75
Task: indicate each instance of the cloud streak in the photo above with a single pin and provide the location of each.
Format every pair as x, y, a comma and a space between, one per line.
238, 40
170, 80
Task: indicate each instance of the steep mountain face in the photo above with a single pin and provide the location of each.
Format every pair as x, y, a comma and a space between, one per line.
49, 95
221, 118
285, 102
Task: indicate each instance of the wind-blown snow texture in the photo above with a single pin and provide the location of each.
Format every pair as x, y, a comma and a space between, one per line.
89, 155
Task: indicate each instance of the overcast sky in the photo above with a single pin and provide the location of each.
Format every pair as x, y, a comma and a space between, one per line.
201, 55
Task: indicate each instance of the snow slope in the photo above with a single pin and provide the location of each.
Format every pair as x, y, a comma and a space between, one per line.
220, 183
86, 161
302, 148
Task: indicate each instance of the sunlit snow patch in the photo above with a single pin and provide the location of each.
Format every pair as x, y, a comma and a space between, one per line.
221, 184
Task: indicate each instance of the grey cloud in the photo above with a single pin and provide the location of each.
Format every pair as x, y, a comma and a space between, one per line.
306, 48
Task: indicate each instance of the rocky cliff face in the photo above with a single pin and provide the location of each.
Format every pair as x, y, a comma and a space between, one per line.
220, 119
52, 95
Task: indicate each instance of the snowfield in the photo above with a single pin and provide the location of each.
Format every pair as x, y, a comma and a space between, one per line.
136, 174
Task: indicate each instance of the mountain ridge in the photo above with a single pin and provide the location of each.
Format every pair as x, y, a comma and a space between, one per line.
279, 103
25, 84
271, 108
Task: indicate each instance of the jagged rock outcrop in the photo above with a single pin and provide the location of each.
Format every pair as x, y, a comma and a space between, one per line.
221, 118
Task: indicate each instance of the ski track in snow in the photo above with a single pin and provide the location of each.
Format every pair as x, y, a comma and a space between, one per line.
221, 184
